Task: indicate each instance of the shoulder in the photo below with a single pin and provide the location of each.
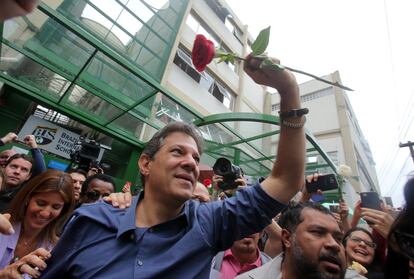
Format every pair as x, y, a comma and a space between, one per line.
266, 271
101, 213
265, 258
353, 274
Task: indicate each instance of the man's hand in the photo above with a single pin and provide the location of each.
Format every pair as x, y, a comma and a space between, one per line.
5, 225
282, 80
121, 200
241, 181
215, 180
30, 264
343, 210
305, 195
10, 137
379, 220
30, 140
287, 172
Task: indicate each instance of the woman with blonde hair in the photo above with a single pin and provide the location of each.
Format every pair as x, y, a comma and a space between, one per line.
38, 212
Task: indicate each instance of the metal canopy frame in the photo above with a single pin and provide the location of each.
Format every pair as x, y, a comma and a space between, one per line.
67, 66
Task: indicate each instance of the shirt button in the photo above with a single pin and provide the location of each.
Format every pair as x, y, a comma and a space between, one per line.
139, 263
132, 236
151, 229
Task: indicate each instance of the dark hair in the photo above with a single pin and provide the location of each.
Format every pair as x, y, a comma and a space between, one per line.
355, 229
292, 216
404, 221
402, 224
47, 182
80, 171
20, 156
156, 142
99, 176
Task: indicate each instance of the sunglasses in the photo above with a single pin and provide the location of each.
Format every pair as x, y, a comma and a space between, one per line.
405, 242
95, 195
359, 240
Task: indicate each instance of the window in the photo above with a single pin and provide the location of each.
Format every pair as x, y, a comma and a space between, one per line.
199, 27
206, 80
275, 107
334, 157
234, 29
317, 95
183, 60
222, 94
309, 97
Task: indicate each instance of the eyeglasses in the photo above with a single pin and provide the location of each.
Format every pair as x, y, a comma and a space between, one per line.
405, 242
360, 240
95, 195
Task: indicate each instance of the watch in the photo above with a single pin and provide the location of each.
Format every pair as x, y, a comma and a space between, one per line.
293, 113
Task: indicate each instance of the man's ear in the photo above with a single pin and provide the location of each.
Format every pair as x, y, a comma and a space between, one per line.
286, 238
143, 164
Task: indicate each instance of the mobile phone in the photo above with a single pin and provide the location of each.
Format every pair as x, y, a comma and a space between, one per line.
370, 200
388, 201
324, 183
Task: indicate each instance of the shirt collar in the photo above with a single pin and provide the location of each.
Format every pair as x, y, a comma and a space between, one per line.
127, 222
258, 262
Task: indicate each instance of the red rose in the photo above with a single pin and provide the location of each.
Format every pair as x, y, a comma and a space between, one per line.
207, 182
203, 52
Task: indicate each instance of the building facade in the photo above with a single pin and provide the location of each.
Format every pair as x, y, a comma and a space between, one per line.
334, 124
116, 71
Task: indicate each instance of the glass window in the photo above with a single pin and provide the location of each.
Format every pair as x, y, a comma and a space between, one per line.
42, 80
113, 82
49, 41
90, 105
183, 61
141, 31
222, 94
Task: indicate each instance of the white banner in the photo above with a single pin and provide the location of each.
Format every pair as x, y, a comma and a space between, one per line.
49, 136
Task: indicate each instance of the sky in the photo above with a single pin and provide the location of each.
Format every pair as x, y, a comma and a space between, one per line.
371, 44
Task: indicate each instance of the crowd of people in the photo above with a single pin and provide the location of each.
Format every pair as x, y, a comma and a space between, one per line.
72, 224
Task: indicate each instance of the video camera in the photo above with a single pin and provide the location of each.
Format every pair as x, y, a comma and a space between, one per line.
229, 172
87, 153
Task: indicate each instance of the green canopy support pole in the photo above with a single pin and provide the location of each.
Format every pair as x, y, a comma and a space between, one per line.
237, 156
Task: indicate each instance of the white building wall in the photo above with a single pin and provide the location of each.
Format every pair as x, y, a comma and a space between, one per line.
191, 92
333, 123
251, 96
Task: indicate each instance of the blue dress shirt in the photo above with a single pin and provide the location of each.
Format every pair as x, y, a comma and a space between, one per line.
103, 242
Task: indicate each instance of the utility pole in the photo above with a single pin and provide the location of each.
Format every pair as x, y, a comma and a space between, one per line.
410, 145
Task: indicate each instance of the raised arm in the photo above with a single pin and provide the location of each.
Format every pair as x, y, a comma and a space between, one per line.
287, 173
39, 164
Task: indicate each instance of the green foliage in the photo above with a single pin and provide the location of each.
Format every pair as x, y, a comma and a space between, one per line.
260, 44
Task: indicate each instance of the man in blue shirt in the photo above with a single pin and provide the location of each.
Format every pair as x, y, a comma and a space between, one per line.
165, 234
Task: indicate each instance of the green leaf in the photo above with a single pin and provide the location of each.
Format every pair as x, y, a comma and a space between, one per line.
260, 44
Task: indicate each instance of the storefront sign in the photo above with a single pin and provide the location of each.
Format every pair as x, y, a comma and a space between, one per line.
49, 136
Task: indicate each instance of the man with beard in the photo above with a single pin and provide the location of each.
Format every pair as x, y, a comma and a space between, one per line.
311, 240
243, 256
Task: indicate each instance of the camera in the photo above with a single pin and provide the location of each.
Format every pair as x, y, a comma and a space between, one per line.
87, 153
229, 172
